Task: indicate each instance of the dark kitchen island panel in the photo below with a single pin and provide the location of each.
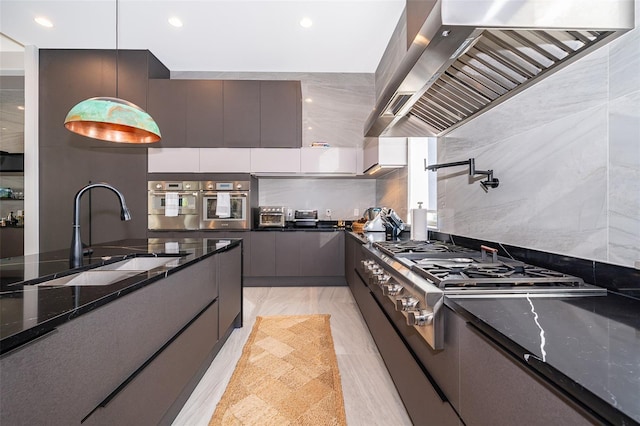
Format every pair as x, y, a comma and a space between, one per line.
124, 353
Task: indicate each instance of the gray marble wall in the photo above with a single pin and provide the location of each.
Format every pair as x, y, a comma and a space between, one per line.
340, 195
391, 191
567, 153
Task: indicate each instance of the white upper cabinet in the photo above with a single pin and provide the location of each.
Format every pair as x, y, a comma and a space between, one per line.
383, 153
275, 160
225, 160
328, 160
173, 160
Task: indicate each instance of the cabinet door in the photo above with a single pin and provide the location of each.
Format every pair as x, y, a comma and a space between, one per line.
288, 254
168, 106
229, 288
324, 254
423, 404
204, 114
246, 247
241, 114
496, 390
146, 398
280, 114
263, 254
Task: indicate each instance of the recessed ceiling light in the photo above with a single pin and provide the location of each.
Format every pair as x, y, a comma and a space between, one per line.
20, 107
45, 22
176, 22
306, 22
308, 100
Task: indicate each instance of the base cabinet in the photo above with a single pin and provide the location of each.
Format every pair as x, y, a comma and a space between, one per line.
282, 258
422, 402
144, 400
496, 390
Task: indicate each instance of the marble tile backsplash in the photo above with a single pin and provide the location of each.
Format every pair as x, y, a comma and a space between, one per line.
342, 196
567, 153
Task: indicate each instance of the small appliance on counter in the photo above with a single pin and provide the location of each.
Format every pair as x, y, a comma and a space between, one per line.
305, 218
272, 216
374, 221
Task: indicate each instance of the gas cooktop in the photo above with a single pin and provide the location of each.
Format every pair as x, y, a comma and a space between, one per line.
469, 272
459, 270
393, 248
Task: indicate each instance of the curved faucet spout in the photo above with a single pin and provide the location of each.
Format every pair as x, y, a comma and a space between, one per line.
75, 255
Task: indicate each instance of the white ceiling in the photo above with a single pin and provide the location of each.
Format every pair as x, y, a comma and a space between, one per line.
218, 35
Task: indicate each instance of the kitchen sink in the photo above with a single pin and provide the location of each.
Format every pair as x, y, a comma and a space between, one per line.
140, 264
89, 278
113, 272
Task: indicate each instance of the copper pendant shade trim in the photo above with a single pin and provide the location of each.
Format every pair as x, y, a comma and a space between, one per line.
112, 119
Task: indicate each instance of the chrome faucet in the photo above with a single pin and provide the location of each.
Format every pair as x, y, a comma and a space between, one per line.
75, 256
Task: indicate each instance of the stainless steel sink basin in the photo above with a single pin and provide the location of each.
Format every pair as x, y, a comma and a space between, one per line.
90, 278
140, 264
112, 273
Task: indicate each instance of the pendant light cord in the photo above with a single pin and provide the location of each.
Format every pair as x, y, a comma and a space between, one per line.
117, 67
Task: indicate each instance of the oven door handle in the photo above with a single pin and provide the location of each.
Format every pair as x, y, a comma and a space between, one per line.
210, 194
194, 193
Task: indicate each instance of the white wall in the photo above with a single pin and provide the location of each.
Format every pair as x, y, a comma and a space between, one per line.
567, 153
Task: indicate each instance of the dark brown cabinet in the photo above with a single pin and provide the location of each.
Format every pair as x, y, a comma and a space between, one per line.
280, 258
168, 107
489, 377
227, 113
288, 249
241, 114
325, 254
188, 112
280, 114
263, 254
204, 119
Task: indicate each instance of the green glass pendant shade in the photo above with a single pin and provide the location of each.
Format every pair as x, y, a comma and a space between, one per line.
112, 119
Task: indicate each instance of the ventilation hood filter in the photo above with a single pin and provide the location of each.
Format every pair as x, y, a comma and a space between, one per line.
464, 70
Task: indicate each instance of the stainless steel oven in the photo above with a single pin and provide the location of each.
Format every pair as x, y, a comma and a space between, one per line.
173, 205
225, 205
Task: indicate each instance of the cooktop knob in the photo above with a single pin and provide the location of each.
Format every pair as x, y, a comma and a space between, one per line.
420, 317
406, 303
392, 290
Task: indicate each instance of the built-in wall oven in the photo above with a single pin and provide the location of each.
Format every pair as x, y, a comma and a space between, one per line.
225, 205
173, 205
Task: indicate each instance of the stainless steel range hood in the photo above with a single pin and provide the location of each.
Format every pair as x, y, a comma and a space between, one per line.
470, 55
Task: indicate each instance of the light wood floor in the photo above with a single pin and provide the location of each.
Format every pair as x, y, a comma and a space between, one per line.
369, 394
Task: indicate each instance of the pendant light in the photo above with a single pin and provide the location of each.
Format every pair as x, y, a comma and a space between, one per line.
112, 119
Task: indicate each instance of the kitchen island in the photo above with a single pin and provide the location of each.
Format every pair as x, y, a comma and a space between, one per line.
511, 360
123, 352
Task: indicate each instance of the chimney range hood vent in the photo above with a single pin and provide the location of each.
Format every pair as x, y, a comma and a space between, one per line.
466, 65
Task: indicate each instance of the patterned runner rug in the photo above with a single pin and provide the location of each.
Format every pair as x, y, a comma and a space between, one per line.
287, 375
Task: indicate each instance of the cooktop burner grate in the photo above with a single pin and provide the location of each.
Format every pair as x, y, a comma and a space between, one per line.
464, 272
392, 248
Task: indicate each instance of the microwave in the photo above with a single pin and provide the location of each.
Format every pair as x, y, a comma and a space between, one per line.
272, 217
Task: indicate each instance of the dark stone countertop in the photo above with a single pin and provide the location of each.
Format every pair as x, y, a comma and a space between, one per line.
29, 311
587, 346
